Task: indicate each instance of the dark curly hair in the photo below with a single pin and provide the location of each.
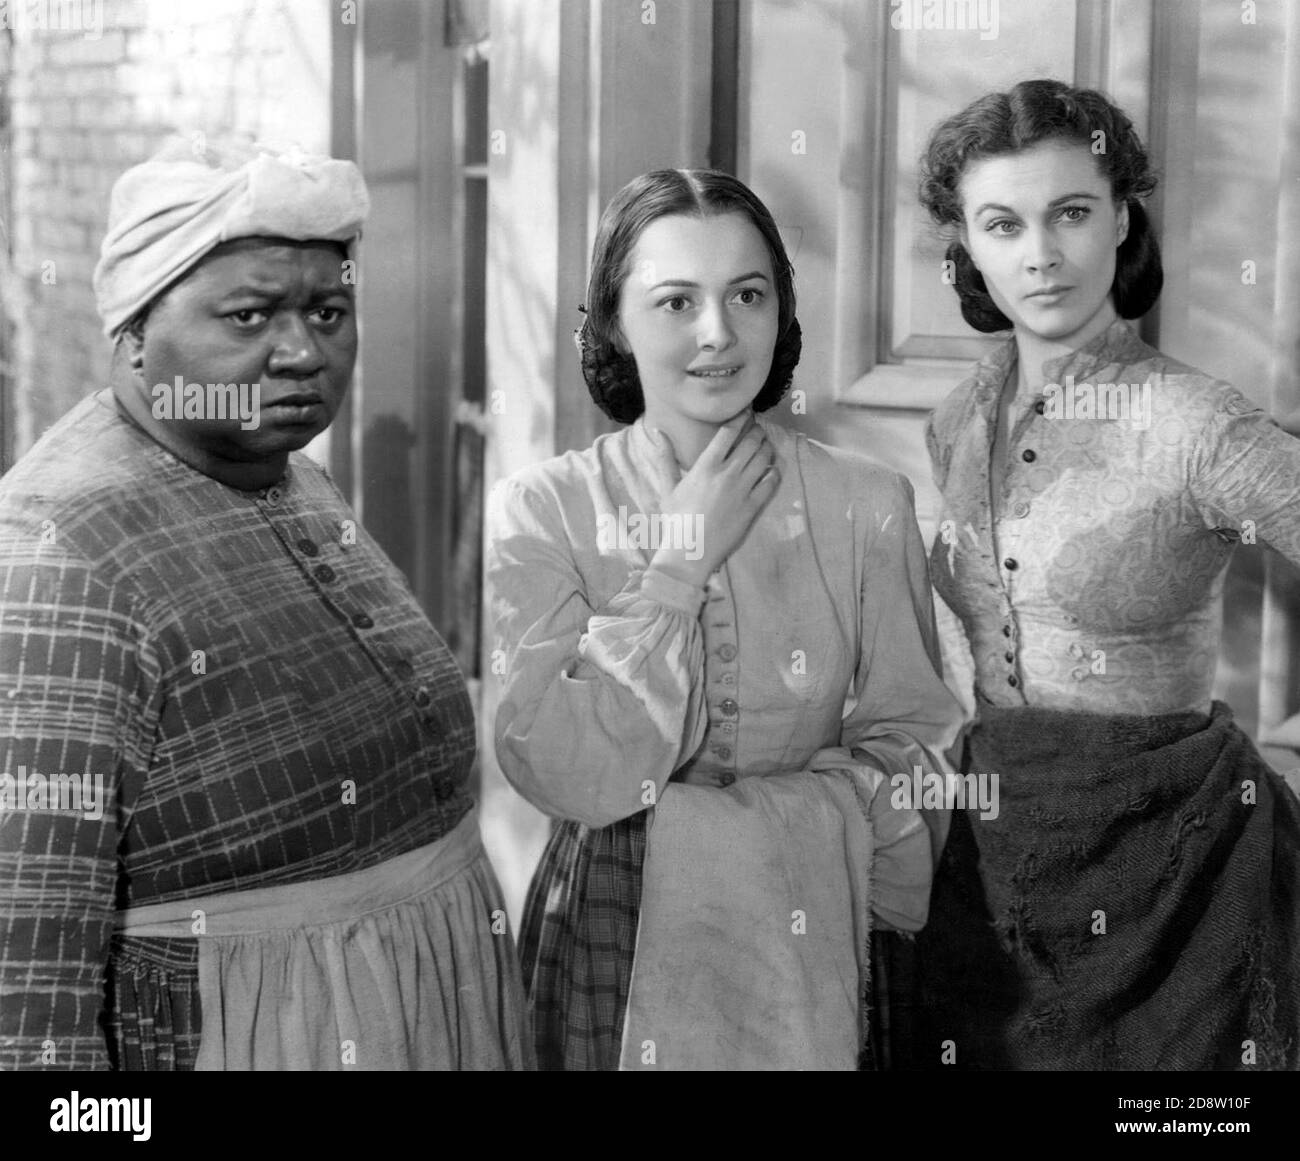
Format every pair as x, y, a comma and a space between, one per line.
1030, 113
611, 375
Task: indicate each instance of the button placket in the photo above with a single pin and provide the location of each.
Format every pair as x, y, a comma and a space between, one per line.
326, 574
1011, 646
719, 627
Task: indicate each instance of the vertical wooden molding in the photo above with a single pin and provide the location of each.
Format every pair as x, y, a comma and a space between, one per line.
575, 416
439, 153
862, 251
1174, 85
1279, 676
724, 80
344, 46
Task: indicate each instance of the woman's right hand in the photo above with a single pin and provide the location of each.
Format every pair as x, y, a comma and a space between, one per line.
718, 499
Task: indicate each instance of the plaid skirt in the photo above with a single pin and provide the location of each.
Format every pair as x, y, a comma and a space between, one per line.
578, 941
577, 945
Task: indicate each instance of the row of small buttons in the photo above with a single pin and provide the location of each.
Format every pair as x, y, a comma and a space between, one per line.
1020, 510
728, 708
326, 575
1008, 633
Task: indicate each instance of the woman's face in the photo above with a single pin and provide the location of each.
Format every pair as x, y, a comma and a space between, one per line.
699, 311
1042, 227
258, 311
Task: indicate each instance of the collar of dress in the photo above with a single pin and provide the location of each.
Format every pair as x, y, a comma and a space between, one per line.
1118, 343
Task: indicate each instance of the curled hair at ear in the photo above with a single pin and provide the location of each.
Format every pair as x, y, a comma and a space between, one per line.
615, 386
1139, 273
1027, 115
785, 358
611, 378
977, 305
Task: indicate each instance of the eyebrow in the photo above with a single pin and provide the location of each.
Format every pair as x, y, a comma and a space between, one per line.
276, 291
688, 283
1070, 197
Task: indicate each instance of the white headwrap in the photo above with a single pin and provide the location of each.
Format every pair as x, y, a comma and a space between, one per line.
192, 195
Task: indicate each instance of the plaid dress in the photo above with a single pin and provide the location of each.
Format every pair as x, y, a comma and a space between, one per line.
259, 695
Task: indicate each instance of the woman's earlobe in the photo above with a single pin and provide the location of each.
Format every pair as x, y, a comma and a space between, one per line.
1121, 225
134, 349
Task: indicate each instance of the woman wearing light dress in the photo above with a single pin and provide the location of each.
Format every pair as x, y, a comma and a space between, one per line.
710, 670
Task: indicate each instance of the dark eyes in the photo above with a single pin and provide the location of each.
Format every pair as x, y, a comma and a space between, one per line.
1005, 227
250, 318
680, 303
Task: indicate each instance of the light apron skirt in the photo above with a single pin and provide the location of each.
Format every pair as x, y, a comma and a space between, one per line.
405, 965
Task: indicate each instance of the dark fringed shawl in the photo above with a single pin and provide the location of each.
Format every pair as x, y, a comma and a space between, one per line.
1145, 825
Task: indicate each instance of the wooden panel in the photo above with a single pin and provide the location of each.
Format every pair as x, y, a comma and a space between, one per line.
1279, 677
403, 405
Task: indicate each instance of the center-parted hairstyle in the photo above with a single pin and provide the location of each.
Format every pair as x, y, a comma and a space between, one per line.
1029, 114
610, 374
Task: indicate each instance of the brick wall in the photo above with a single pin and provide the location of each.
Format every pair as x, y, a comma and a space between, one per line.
86, 105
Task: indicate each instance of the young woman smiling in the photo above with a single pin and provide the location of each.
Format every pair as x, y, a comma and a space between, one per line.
713, 668
1134, 904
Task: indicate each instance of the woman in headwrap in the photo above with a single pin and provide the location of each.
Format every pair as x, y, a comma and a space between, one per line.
273, 861
719, 659
1134, 904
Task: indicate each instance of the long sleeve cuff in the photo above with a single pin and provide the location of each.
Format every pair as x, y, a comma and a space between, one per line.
668, 590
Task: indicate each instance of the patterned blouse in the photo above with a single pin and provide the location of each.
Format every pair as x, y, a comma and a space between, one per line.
818, 632
1128, 482
246, 684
